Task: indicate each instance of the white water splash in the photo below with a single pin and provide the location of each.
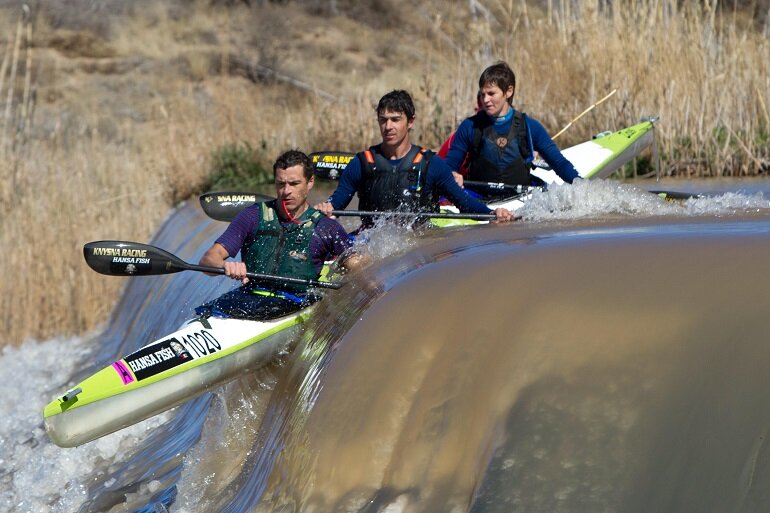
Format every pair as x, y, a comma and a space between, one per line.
387, 237
728, 203
36, 475
597, 198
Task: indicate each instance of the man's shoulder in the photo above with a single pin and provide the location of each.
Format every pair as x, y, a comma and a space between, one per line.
466, 124
249, 213
326, 224
373, 150
330, 234
354, 166
437, 164
536, 128
480, 119
470, 124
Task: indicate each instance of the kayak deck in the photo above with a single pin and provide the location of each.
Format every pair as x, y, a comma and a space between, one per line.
202, 354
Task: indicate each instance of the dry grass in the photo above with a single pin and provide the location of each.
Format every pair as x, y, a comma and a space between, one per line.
105, 125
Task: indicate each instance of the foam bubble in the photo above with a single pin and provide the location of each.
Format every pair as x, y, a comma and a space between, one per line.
35, 474
597, 198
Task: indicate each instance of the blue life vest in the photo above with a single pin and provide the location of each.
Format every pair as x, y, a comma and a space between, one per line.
500, 158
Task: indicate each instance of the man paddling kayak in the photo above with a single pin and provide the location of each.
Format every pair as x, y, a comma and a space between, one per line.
285, 236
398, 175
498, 142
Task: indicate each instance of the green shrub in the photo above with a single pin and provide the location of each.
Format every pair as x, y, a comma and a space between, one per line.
237, 167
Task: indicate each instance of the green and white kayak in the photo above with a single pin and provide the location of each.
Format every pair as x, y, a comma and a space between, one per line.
204, 353
604, 154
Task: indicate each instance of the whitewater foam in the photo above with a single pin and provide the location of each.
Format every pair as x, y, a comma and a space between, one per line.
36, 475
597, 198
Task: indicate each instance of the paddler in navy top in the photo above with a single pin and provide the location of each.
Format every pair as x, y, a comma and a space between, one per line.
286, 236
397, 175
499, 142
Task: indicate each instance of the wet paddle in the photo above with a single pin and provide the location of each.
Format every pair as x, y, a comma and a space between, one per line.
432, 215
329, 164
121, 258
223, 206
675, 196
501, 188
220, 206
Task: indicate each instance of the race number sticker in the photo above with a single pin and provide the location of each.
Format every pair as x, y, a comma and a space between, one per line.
200, 343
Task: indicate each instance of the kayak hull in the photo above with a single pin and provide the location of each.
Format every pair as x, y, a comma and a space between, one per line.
165, 373
603, 155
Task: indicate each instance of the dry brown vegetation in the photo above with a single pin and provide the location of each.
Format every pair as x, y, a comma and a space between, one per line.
109, 110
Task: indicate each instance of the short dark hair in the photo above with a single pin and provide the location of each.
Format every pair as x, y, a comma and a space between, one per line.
397, 101
293, 158
501, 75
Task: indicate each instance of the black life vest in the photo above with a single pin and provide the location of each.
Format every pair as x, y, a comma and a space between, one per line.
489, 150
388, 187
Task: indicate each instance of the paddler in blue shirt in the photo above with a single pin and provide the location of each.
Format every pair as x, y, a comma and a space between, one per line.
398, 175
499, 142
285, 237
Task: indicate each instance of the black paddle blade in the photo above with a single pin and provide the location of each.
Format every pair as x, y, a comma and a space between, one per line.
224, 206
120, 258
329, 164
675, 196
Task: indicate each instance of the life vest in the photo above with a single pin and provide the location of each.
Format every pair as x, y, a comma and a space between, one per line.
281, 248
388, 187
489, 150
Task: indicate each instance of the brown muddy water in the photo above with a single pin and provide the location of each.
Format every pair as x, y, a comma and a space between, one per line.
608, 353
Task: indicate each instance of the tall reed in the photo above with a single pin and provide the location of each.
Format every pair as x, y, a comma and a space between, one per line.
701, 69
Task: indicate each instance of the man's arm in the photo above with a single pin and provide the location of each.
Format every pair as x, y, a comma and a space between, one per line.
460, 146
217, 255
544, 145
230, 243
440, 176
330, 240
348, 185
442, 152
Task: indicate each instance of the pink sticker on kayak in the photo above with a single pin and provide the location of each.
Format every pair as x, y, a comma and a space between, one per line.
123, 372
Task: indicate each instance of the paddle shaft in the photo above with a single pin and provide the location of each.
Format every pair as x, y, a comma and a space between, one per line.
674, 195
122, 258
501, 187
589, 109
259, 276
433, 215
221, 207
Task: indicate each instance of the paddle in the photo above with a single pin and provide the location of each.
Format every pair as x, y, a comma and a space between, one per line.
432, 215
329, 164
501, 187
223, 206
589, 109
675, 196
120, 258
219, 206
